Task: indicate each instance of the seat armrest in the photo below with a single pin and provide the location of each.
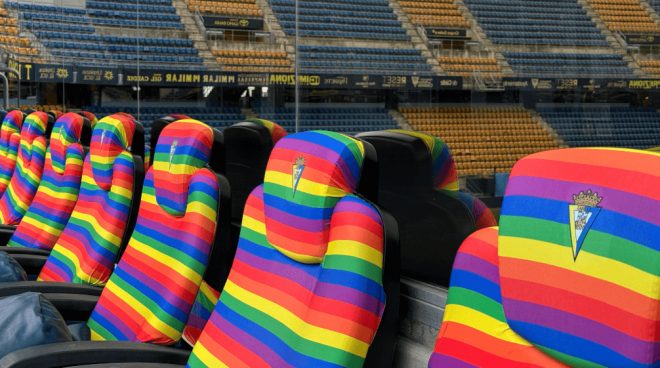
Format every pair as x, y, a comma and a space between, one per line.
48, 287
67, 354
24, 250
6, 232
31, 263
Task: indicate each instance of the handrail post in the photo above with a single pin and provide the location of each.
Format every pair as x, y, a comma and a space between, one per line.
18, 85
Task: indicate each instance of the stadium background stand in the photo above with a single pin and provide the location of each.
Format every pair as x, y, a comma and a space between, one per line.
466, 67
368, 19
362, 60
482, 140
92, 36
253, 60
336, 119
568, 65
231, 7
559, 22
9, 35
590, 126
438, 13
624, 15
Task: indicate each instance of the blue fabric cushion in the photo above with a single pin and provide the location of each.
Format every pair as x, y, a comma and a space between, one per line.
29, 319
10, 270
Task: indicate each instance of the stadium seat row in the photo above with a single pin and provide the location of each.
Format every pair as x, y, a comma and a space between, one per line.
339, 20
333, 13
363, 57
130, 7
133, 23
58, 26
135, 15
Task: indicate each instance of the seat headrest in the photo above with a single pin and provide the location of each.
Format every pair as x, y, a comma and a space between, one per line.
579, 254
56, 114
307, 174
12, 123
91, 117
179, 117
276, 131
125, 115
66, 131
34, 125
443, 168
112, 135
183, 148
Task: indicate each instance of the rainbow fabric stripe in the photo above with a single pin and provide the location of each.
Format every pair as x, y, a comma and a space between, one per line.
276, 131
58, 191
91, 117
153, 288
279, 308
147, 157
474, 332
10, 140
200, 313
599, 307
56, 114
29, 168
445, 178
85, 253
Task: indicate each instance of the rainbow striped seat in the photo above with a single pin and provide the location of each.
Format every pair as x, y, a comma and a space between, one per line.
474, 331
305, 288
58, 191
29, 168
247, 151
10, 140
86, 251
91, 117
152, 290
445, 178
578, 254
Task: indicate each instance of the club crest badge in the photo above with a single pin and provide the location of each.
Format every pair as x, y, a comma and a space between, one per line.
298, 168
582, 214
172, 150
102, 136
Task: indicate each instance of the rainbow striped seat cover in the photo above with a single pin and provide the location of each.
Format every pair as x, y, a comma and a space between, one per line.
579, 267
86, 251
152, 290
207, 296
305, 288
27, 173
58, 191
10, 140
445, 178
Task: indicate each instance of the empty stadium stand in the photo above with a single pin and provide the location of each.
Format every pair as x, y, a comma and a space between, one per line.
337, 119
591, 126
482, 140
558, 22
9, 36
361, 60
233, 7
253, 61
565, 65
469, 67
86, 36
370, 19
624, 15
650, 67
442, 13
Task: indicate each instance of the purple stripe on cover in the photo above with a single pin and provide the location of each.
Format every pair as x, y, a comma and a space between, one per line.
197, 144
157, 287
291, 220
614, 200
166, 230
444, 361
582, 327
309, 282
359, 208
196, 321
245, 339
115, 321
478, 266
